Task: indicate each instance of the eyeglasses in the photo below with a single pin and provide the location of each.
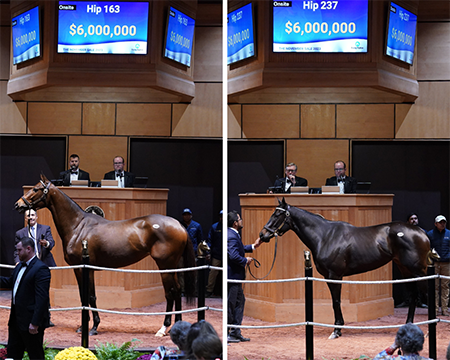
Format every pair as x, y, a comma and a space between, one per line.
291, 170
339, 169
119, 163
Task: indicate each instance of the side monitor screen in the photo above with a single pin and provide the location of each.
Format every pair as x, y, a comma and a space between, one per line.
320, 26
240, 34
401, 33
102, 27
26, 36
179, 37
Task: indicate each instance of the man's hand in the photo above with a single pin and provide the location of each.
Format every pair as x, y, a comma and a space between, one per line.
292, 178
44, 243
257, 243
33, 329
249, 260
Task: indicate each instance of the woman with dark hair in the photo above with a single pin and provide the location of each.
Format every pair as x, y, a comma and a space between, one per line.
199, 337
410, 340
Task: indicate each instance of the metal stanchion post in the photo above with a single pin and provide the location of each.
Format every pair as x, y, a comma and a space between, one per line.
201, 260
85, 298
309, 307
432, 352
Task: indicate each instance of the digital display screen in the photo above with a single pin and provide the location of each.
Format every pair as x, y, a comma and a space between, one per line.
401, 33
26, 36
320, 26
240, 34
102, 27
180, 36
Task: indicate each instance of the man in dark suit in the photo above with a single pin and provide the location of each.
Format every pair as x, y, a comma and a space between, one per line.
41, 234
30, 282
74, 172
284, 185
236, 271
346, 184
124, 178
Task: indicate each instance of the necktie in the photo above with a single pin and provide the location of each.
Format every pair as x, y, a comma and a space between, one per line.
36, 244
24, 264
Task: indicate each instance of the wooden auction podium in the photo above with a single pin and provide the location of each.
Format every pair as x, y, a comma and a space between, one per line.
285, 301
113, 289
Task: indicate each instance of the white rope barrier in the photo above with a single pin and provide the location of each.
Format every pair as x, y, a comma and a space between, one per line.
125, 270
363, 282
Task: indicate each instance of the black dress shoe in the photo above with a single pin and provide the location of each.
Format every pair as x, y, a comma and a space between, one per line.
242, 339
232, 339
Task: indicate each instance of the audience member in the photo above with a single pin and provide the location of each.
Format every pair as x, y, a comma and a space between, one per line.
124, 178
448, 352
410, 340
284, 184
236, 271
198, 332
207, 347
215, 244
74, 172
440, 241
347, 184
30, 284
193, 228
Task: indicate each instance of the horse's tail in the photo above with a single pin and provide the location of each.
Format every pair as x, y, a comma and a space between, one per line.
189, 276
432, 256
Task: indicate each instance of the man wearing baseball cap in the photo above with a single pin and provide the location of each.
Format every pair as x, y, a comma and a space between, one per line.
193, 228
440, 240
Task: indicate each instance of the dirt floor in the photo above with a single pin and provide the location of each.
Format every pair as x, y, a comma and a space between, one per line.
275, 344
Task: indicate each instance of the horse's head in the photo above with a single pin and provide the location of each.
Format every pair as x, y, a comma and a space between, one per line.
278, 223
35, 198
202, 248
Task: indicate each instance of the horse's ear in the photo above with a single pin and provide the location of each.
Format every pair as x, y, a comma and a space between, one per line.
284, 201
279, 202
43, 177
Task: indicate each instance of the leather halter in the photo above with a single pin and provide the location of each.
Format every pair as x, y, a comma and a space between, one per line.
275, 232
44, 195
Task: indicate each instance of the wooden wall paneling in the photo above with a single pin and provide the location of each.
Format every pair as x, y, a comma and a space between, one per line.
97, 153
54, 118
99, 119
208, 54
14, 114
318, 121
429, 116
315, 158
234, 121
143, 119
365, 121
433, 51
5, 36
203, 117
271, 121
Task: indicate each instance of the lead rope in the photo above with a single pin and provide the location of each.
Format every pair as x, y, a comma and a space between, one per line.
258, 264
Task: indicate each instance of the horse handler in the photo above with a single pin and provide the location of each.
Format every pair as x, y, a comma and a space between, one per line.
236, 271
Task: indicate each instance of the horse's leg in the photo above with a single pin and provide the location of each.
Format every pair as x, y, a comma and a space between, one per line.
173, 293
413, 296
93, 304
335, 290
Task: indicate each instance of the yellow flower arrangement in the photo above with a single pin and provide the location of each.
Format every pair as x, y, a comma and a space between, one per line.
75, 353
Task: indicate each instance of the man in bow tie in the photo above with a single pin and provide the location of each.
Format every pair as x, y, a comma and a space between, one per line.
291, 179
347, 184
30, 284
124, 178
74, 172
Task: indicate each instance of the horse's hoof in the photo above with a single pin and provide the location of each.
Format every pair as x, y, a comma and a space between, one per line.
78, 331
93, 332
333, 336
160, 333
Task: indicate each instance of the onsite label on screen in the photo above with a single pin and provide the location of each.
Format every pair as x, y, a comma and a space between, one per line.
320, 26
102, 27
401, 34
240, 37
180, 35
26, 36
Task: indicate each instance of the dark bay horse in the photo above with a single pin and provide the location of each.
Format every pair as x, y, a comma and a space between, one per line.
116, 244
340, 249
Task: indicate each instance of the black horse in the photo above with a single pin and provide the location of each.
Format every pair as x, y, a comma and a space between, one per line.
340, 249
